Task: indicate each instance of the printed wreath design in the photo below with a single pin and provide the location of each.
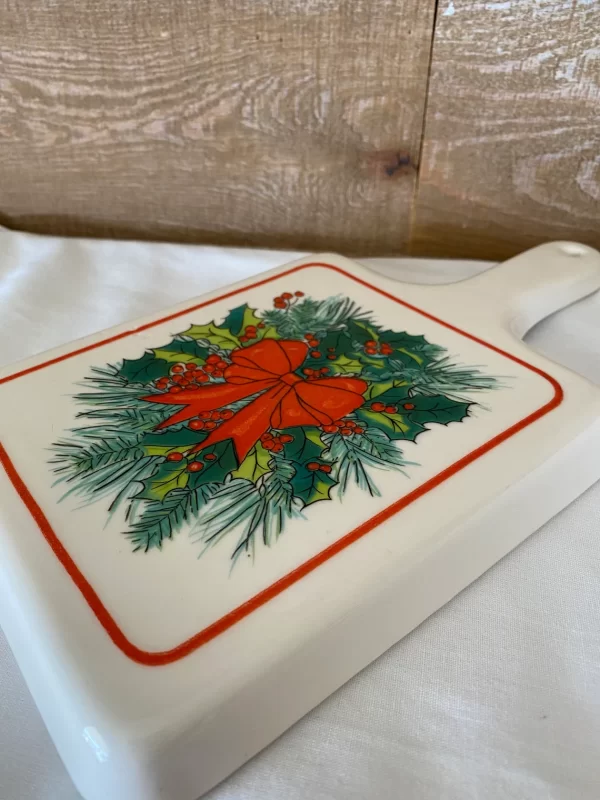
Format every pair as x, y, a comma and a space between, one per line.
242, 426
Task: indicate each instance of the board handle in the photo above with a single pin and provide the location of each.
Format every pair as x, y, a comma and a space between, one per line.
531, 286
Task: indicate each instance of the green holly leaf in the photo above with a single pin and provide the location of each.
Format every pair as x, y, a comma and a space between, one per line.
388, 392
395, 425
312, 485
438, 409
169, 475
222, 338
306, 445
363, 331
143, 370
161, 443
234, 320
184, 351
214, 470
254, 465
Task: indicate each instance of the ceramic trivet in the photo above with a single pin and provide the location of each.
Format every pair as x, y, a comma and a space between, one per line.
214, 517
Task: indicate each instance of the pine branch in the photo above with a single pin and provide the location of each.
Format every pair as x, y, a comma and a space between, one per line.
352, 456
444, 377
318, 316
160, 520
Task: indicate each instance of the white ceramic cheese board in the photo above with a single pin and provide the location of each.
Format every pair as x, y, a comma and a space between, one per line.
213, 517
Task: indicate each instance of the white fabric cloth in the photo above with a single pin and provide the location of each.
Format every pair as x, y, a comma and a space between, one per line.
495, 697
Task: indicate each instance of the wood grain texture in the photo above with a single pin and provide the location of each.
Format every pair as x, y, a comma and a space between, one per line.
294, 123
511, 152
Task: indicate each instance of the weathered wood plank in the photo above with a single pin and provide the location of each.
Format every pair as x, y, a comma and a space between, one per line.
511, 153
275, 123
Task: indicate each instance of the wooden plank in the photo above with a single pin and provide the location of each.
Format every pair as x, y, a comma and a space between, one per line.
289, 123
511, 152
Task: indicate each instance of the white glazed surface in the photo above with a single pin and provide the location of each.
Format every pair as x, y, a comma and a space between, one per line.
165, 692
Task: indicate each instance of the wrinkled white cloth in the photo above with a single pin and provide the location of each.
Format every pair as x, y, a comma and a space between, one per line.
495, 697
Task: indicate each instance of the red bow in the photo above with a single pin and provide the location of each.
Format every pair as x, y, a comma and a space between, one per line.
285, 399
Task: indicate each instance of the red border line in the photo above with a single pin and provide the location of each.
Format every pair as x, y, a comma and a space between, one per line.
225, 622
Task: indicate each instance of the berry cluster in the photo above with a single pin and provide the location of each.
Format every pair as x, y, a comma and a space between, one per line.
283, 301
313, 342
313, 466
250, 332
345, 426
313, 374
189, 376
275, 442
193, 466
377, 406
208, 420
372, 348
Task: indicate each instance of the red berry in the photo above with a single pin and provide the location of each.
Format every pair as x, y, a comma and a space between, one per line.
370, 351
377, 406
196, 424
243, 338
331, 357
391, 409
177, 378
299, 294
210, 425
222, 364
331, 349
315, 354
308, 371
277, 447
330, 428
313, 343
287, 296
340, 423
202, 378
190, 366
261, 324
215, 415
184, 382
309, 336
358, 429
312, 466
325, 468
250, 335
213, 358
175, 457
408, 406
193, 387
209, 369
174, 389
195, 466
266, 436
371, 343
218, 373
210, 457
323, 370
285, 438
250, 329
203, 415
227, 413
346, 431
350, 423
268, 444
178, 368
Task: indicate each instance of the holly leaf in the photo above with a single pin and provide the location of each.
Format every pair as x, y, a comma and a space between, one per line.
389, 392
169, 475
222, 338
143, 370
158, 444
362, 331
234, 320
396, 425
437, 408
214, 470
184, 351
312, 485
344, 365
254, 465
306, 445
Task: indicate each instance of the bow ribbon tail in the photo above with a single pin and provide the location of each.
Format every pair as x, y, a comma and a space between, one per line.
208, 399
247, 426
